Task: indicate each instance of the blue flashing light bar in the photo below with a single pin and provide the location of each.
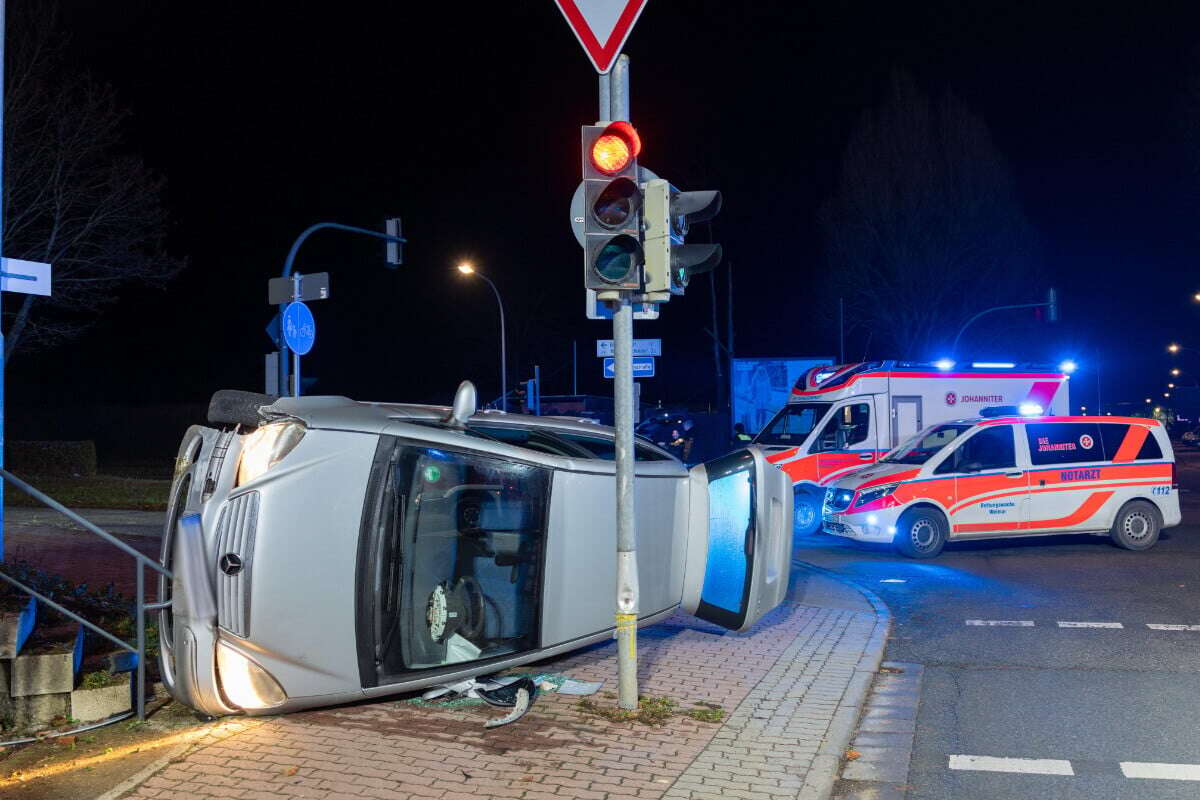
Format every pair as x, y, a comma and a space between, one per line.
944, 364
1068, 367
993, 365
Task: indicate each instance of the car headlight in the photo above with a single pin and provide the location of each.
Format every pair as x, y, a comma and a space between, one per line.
266, 447
876, 493
246, 684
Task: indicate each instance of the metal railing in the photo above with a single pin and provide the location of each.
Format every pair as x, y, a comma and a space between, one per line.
140, 604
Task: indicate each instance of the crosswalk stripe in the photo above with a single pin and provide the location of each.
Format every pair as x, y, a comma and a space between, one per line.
1005, 623
1164, 772
1032, 766
1062, 624
1173, 627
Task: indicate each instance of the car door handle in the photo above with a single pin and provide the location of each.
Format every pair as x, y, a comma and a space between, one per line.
866, 457
1013, 474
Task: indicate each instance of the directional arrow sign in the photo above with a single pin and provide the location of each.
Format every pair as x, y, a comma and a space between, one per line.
601, 26
26, 277
642, 368
641, 347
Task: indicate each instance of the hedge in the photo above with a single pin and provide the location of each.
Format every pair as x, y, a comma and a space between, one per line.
69, 459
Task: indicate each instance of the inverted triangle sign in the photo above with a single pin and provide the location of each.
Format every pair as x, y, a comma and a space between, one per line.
601, 26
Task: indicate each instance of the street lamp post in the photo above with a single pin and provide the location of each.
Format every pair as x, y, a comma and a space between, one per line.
468, 269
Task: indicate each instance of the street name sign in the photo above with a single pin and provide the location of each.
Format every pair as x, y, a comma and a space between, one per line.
641, 347
642, 368
26, 277
601, 26
312, 287
299, 328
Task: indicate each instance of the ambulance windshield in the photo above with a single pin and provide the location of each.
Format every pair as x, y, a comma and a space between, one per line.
926, 444
792, 424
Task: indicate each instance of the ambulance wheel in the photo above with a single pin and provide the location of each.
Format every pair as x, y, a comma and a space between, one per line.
1137, 526
920, 533
807, 515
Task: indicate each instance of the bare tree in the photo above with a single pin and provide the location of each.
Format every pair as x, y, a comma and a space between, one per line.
72, 196
925, 228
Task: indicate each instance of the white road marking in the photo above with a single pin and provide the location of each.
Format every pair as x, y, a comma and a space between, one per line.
1164, 772
1062, 624
1006, 623
1032, 766
1173, 627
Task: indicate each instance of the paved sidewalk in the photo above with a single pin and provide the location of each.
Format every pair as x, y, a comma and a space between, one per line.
793, 687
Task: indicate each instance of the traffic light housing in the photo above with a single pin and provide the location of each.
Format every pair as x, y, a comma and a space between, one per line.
612, 205
670, 262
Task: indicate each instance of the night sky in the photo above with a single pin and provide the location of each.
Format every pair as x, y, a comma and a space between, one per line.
463, 118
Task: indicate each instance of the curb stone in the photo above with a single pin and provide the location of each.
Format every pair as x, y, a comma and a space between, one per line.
823, 774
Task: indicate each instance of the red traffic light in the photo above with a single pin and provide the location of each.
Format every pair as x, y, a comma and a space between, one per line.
615, 148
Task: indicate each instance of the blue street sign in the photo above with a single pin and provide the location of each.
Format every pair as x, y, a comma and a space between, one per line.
299, 328
642, 367
274, 331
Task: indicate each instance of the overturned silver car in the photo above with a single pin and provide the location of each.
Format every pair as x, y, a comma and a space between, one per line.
326, 550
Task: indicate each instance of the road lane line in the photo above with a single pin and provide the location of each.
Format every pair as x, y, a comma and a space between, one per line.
1004, 623
1162, 772
1062, 624
1173, 627
1031, 766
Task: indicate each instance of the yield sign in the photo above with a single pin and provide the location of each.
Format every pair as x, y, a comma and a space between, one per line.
601, 26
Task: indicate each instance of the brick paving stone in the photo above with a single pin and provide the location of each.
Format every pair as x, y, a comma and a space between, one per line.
780, 684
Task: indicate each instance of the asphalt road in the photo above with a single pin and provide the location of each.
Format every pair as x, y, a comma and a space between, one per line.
1073, 701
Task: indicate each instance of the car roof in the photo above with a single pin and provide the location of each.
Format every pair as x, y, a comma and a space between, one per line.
341, 413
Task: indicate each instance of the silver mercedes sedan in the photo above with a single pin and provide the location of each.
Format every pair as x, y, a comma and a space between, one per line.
326, 550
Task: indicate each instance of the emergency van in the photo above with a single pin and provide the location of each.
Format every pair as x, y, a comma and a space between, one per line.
1013, 476
842, 418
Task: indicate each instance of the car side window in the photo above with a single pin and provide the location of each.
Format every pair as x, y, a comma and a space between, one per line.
1063, 442
849, 425
989, 449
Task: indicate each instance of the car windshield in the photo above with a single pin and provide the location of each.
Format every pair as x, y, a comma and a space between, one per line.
926, 444
792, 425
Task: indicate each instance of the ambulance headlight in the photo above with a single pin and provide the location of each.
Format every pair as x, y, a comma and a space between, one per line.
266, 447
246, 684
876, 493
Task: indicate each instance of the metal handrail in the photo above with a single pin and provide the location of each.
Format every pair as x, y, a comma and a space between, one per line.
140, 604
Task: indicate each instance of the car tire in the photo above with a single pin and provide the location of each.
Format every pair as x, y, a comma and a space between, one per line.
1137, 526
235, 407
806, 516
920, 533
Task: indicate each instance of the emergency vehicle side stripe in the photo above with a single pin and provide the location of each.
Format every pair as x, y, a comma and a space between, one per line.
1082, 514
1060, 488
895, 477
1131, 444
1057, 379
1150, 423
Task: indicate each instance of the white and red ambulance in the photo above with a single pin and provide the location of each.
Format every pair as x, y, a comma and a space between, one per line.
843, 418
1013, 476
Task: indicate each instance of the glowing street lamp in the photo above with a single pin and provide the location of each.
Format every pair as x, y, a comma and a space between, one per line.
1175, 372
466, 268
1173, 347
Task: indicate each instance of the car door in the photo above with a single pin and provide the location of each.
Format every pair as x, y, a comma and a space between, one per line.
847, 441
1066, 487
739, 540
991, 489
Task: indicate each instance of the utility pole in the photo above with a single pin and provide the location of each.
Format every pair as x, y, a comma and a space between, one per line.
841, 330
3, 33
614, 88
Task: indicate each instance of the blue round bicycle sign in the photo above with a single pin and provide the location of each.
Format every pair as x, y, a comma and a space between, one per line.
299, 328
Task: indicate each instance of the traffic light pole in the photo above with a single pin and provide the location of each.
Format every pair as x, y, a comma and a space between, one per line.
614, 106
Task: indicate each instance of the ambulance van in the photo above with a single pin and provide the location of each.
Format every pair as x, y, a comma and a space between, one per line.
843, 418
1013, 476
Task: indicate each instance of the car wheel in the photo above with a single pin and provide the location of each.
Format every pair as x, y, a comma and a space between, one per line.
1137, 526
921, 533
807, 515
